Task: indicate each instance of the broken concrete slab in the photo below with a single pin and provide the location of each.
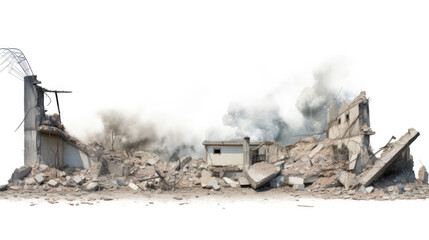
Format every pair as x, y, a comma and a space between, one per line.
243, 182
389, 155
261, 173
53, 183
231, 182
20, 173
423, 175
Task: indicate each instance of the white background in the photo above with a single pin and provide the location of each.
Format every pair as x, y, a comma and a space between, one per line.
181, 63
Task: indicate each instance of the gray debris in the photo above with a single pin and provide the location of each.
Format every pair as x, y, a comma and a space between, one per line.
243, 182
278, 181
181, 163
20, 173
423, 175
213, 184
3, 187
152, 161
298, 187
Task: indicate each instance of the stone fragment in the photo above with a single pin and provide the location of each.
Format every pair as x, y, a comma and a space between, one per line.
152, 161
181, 163
133, 186
277, 181
298, 187
30, 181
43, 167
53, 183
369, 189
92, 186
346, 178
423, 175
295, 180
261, 173
77, 179
231, 182
68, 178
243, 182
3, 187
213, 184
302, 172
20, 173
39, 178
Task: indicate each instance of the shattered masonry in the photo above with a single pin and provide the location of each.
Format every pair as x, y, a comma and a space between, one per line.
340, 165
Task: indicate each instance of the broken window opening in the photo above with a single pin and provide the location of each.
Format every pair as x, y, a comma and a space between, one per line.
347, 117
339, 121
216, 151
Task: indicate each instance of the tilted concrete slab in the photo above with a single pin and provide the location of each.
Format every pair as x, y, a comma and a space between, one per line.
261, 173
388, 156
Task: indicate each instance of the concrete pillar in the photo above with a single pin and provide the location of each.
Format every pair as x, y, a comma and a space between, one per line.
246, 154
32, 120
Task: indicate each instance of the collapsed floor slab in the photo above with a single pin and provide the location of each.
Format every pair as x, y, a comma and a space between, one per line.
389, 155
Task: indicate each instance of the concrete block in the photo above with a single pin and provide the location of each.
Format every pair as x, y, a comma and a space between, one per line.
39, 178
92, 186
30, 181
77, 179
231, 182
43, 167
133, 186
53, 183
295, 180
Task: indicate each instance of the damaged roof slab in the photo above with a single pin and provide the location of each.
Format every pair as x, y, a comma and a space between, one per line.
388, 157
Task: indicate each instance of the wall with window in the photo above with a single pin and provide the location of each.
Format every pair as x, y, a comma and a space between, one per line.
225, 156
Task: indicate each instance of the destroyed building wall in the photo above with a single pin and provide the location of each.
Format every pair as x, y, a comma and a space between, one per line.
55, 152
45, 140
349, 127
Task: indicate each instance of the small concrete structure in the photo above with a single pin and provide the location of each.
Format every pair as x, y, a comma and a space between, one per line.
228, 153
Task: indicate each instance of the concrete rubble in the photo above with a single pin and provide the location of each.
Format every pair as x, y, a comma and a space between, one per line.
341, 165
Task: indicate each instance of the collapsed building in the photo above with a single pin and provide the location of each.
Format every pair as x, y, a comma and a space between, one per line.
343, 161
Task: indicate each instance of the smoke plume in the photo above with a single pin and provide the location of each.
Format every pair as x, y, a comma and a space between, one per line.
129, 133
263, 121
